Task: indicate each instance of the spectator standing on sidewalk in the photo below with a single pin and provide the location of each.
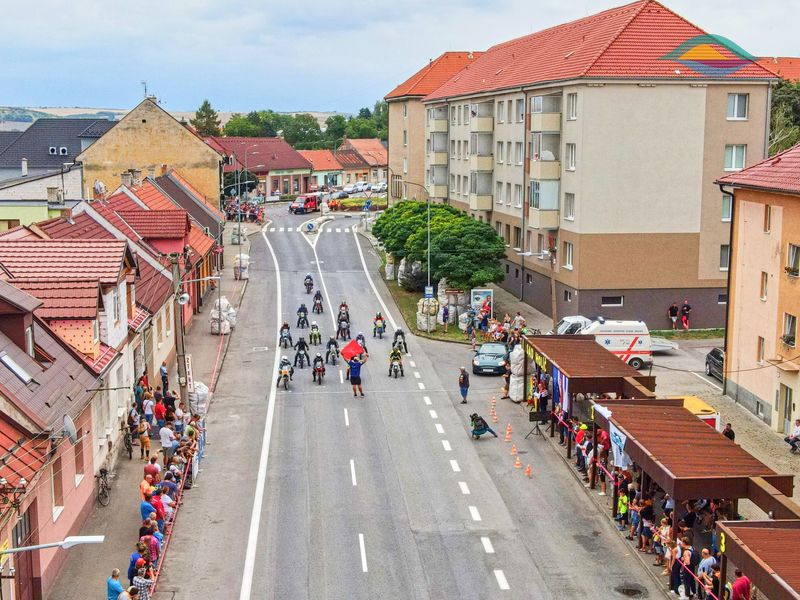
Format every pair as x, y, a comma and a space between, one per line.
167, 438
445, 316
164, 375
686, 310
147, 406
741, 587
672, 313
114, 586
729, 433
143, 583
144, 439
463, 384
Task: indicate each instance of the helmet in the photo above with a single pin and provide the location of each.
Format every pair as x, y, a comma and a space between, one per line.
360, 333
308, 274
319, 355
313, 322
399, 330
284, 357
333, 337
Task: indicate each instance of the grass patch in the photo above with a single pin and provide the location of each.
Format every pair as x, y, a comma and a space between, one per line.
351, 203
692, 334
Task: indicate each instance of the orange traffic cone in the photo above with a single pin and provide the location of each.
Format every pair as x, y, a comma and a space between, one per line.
508, 428
494, 400
494, 417
508, 436
518, 463
513, 449
528, 471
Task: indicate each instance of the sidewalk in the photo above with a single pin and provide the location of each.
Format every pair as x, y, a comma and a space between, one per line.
86, 568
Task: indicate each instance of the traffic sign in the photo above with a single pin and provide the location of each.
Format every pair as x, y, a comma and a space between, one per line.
429, 291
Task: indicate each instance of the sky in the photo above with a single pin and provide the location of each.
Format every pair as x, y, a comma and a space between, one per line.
295, 55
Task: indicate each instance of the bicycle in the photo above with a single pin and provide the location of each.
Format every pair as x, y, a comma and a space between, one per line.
103, 488
127, 439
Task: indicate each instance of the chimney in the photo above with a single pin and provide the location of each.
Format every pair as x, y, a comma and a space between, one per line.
137, 177
52, 195
24, 167
151, 172
164, 168
127, 178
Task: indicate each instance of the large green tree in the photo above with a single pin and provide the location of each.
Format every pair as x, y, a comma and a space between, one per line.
206, 120
302, 131
359, 128
335, 129
242, 126
785, 117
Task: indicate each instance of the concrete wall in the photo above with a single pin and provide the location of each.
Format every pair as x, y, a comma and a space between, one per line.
36, 189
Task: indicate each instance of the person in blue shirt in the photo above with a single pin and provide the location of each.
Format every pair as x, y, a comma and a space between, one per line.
145, 508
355, 365
114, 586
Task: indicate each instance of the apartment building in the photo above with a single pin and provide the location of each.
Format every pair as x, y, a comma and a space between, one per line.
407, 124
762, 367
596, 144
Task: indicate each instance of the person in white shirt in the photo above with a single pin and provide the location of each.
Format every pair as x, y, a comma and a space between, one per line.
167, 437
794, 439
178, 422
148, 406
167, 501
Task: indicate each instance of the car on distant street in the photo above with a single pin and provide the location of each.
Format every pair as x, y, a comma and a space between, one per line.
361, 186
350, 188
340, 195
379, 187
715, 363
490, 359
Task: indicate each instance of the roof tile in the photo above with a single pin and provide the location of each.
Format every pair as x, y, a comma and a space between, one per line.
779, 173
272, 152
157, 224
433, 75
59, 259
321, 160
63, 299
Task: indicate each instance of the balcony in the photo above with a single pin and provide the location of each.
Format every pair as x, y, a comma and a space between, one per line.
439, 159
438, 191
543, 204
437, 119
480, 201
481, 163
546, 113
545, 169
481, 117
480, 192
544, 218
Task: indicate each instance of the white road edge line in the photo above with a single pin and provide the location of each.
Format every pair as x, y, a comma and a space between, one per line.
385, 308
261, 476
346, 416
439, 428
473, 512
501, 579
704, 380
454, 466
363, 552
446, 446
487, 545
464, 489
353, 472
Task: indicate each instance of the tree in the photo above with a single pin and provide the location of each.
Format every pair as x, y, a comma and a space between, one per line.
206, 120
364, 113
335, 127
242, 126
247, 181
785, 116
302, 131
381, 117
359, 128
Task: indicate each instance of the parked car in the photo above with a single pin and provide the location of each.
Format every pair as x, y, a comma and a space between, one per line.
380, 187
361, 186
350, 188
715, 363
304, 204
340, 195
490, 359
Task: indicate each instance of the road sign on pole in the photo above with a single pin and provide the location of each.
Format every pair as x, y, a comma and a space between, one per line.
429, 291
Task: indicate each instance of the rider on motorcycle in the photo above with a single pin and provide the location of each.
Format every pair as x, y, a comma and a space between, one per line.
399, 333
362, 341
301, 347
285, 363
317, 306
302, 315
315, 334
318, 295
285, 332
344, 327
344, 310
308, 280
377, 323
332, 348
396, 355
318, 362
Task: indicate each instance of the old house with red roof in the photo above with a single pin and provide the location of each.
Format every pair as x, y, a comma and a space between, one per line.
326, 171
373, 153
407, 115
597, 143
762, 368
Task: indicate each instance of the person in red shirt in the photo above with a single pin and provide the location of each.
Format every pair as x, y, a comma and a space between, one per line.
741, 587
160, 412
153, 469
161, 513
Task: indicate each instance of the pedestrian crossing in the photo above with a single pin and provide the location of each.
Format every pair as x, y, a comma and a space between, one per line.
300, 229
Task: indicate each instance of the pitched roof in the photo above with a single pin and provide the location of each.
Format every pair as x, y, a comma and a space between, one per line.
371, 150
36, 141
157, 224
786, 67
6, 137
779, 173
350, 159
199, 241
185, 197
64, 299
101, 260
272, 152
105, 357
321, 160
643, 39
23, 454
15, 296
152, 197
138, 318
433, 75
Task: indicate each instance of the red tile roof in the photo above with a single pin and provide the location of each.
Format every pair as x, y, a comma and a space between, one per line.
350, 159
200, 242
138, 319
63, 299
786, 67
101, 260
321, 160
22, 455
274, 153
779, 173
371, 150
433, 75
193, 191
104, 358
152, 197
639, 40
157, 224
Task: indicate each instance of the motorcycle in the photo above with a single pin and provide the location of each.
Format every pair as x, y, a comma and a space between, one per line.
285, 377
395, 369
315, 337
309, 286
302, 358
285, 341
334, 356
379, 328
319, 373
317, 306
302, 322
343, 331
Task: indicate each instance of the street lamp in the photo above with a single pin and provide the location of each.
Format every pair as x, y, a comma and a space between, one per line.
66, 543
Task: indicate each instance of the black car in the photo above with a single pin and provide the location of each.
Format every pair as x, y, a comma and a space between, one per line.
715, 363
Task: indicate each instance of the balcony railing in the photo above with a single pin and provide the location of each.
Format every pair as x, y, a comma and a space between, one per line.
544, 218
481, 118
546, 113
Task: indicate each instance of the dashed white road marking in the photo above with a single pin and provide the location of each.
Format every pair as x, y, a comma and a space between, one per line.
341, 376
473, 512
412, 364
427, 400
421, 385
454, 466
501, 579
353, 471
439, 428
272, 229
417, 375
487, 545
464, 487
346, 230
346, 417
338, 230
446, 446
364, 552
433, 414
280, 229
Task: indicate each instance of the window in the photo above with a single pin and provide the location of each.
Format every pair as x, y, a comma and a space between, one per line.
405, 137
57, 488
405, 110
520, 110
501, 112
16, 369
767, 218
540, 243
452, 148
500, 152
452, 182
466, 114
737, 107
466, 185
405, 165
572, 107
517, 237
458, 148
536, 193
724, 257
722, 298
458, 111
79, 461
499, 228
571, 157
510, 118
567, 261
567, 296
507, 236
30, 347
116, 307
612, 300
453, 115
727, 207
793, 260
508, 193
764, 284
789, 329
518, 196
735, 157
528, 278
466, 148
498, 196
518, 153
508, 152
569, 206
760, 350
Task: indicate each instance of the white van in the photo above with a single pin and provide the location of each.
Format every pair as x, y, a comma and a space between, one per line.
630, 340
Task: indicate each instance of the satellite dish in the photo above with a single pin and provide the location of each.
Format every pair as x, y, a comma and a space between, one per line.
70, 431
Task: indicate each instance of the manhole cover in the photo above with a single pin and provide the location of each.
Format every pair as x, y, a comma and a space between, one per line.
631, 591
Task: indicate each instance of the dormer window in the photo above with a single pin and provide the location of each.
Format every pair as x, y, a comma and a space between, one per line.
116, 308
30, 346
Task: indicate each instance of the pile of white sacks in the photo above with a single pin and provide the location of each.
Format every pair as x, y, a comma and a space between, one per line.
222, 317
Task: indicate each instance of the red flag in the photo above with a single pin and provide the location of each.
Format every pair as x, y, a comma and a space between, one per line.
352, 349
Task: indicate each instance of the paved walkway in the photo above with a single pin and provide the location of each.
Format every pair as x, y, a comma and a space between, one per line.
87, 567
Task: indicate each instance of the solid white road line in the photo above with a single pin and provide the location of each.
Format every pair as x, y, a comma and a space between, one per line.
454, 466
487, 545
421, 385
704, 380
346, 417
439, 428
464, 487
386, 312
433, 414
353, 471
412, 364
501, 579
473, 512
363, 552
261, 476
417, 375
341, 376
446, 446
427, 400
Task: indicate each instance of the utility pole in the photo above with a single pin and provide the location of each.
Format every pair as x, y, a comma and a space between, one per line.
177, 310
